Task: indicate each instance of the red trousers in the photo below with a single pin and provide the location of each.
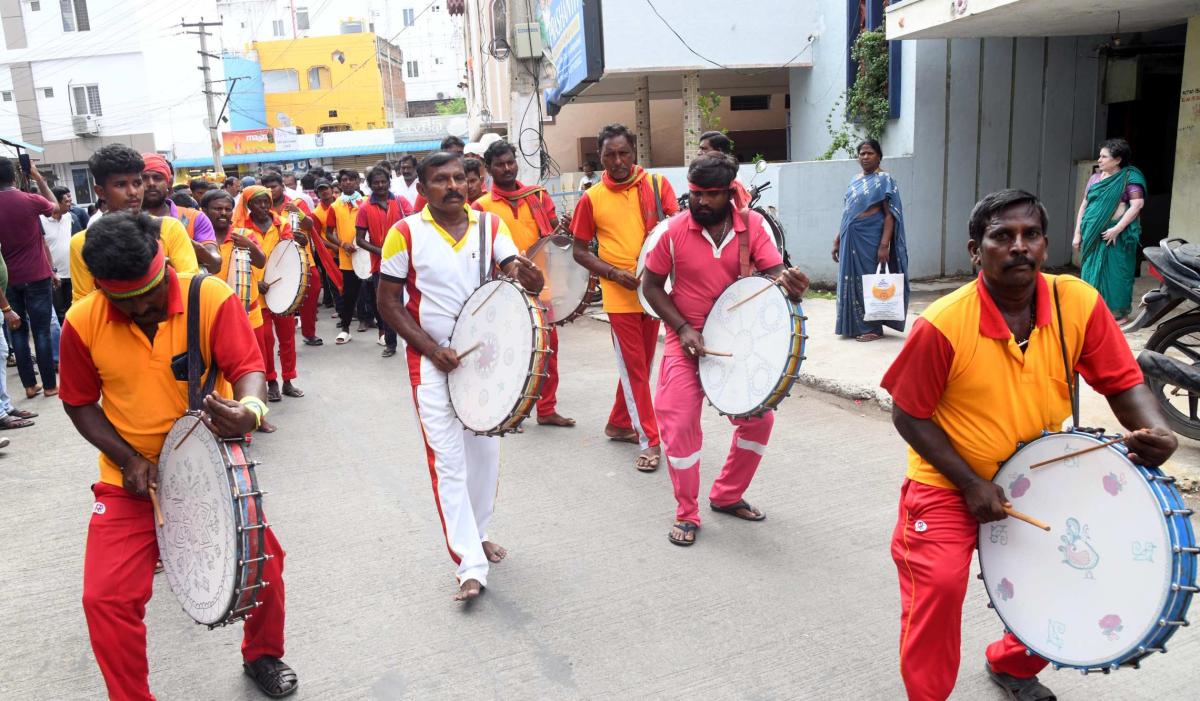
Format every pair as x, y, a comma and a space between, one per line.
932, 545
308, 308
549, 401
118, 577
285, 328
680, 399
635, 338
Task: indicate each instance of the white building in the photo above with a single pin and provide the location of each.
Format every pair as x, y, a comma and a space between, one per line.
76, 75
427, 35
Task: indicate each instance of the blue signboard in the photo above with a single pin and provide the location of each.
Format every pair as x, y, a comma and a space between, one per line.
571, 35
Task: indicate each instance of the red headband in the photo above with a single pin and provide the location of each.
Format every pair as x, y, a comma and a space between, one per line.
125, 289
697, 188
155, 163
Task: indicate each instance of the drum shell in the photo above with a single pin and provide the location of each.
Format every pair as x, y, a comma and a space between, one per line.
534, 253
271, 274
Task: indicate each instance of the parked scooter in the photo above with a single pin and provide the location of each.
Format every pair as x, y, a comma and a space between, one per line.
1172, 361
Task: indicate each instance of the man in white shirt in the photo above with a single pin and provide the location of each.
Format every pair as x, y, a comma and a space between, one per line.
291, 188
405, 183
58, 229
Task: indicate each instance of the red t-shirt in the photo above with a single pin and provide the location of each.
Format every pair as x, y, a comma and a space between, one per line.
377, 219
702, 269
21, 236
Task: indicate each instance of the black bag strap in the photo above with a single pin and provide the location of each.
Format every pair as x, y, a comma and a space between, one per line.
744, 269
195, 358
484, 235
657, 196
1071, 377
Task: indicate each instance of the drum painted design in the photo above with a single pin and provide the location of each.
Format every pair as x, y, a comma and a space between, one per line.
361, 260
498, 383
1112, 580
211, 545
241, 277
765, 336
287, 277
652, 240
569, 285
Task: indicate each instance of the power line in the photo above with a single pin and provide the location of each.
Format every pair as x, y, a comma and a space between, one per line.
721, 65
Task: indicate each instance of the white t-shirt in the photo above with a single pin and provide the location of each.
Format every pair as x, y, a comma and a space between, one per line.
402, 189
58, 239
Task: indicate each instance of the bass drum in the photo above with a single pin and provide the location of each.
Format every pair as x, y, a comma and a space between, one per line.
569, 285
652, 240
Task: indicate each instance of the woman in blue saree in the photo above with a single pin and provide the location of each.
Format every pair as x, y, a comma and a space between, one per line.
872, 232
1108, 231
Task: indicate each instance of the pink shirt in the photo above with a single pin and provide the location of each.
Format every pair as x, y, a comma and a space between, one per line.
702, 269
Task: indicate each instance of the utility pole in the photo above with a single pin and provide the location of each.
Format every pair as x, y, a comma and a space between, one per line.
524, 120
213, 122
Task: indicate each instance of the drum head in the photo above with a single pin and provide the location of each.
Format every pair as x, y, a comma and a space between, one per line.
759, 334
361, 260
486, 388
198, 544
285, 272
1090, 591
651, 241
567, 283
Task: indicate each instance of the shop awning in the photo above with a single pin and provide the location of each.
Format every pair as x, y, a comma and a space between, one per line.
20, 144
305, 154
947, 19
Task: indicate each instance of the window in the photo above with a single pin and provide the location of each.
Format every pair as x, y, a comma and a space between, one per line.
6, 96
35, 6
332, 113
48, 92
301, 18
281, 80
412, 69
352, 27
86, 99
738, 103
75, 15
277, 27
409, 17
437, 61
318, 78
436, 8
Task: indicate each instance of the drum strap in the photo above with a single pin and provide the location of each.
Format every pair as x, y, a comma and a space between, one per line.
657, 197
484, 235
195, 359
744, 269
1072, 378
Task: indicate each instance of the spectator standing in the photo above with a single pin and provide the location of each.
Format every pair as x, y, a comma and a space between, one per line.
10, 417
58, 228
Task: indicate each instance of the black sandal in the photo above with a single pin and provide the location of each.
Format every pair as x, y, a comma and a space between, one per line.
272, 676
733, 509
687, 527
273, 394
1019, 689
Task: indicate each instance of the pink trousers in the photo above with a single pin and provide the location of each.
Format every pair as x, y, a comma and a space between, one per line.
678, 403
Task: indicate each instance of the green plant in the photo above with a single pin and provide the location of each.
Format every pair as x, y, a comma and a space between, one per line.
709, 119
457, 105
867, 109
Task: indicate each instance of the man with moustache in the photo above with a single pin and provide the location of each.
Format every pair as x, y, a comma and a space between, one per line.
118, 171
984, 369
702, 251
156, 201
619, 212
430, 266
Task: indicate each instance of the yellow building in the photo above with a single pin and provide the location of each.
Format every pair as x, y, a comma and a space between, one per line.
341, 82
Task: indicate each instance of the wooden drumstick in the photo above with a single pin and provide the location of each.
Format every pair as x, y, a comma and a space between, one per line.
470, 350
188, 434
157, 509
1026, 518
1067, 456
486, 300
719, 354
274, 281
735, 305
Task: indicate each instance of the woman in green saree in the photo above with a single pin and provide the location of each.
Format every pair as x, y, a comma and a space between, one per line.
1107, 230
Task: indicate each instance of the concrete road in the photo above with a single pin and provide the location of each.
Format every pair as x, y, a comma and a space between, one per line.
593, 601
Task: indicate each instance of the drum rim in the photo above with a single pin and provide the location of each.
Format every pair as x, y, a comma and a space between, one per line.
1174, 603
592, 283
357, 256
540, 332
298, 253
783, 386
640, 266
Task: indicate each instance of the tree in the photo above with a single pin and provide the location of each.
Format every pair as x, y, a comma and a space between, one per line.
457, 105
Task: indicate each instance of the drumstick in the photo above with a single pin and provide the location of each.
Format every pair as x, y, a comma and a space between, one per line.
738, 304
470, 350
719, 354
1077, 453
187, 435
486, 300
157, 509
274, 281
1026, 518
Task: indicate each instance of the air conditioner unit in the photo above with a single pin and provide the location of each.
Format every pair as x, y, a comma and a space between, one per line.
85, 124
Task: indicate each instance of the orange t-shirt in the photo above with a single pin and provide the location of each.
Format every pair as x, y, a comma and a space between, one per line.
343, 215
107, 358
521, 224
226, 248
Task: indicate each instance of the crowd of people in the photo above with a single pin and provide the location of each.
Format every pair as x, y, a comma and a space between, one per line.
106, 299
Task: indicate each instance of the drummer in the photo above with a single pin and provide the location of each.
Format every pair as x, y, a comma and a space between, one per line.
982, 370
716, 142
619, 212
375, 219
327, 251
120, 392
156, 179
284, 205
528, 210
340, 230
436, 276
700, 251
117, 171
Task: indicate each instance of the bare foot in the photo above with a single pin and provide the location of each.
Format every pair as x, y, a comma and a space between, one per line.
648, 460
469, 590
621, 435
494, 552
555, 420
266, 427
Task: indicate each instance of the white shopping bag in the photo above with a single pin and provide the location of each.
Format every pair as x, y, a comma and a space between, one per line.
883, 295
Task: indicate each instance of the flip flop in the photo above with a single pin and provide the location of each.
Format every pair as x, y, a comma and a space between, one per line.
14, 422
651, 462
733, 509
31, 392
687, 527
627, 436
313, 341
273, 394
343, 338
868, 337
50, 392
22, 414
292, 391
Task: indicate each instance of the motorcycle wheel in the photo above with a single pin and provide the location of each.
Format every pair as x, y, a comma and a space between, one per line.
776, 231
1180, 339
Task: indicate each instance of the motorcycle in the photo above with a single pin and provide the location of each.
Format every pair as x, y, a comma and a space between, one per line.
774, 228
1171, 360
